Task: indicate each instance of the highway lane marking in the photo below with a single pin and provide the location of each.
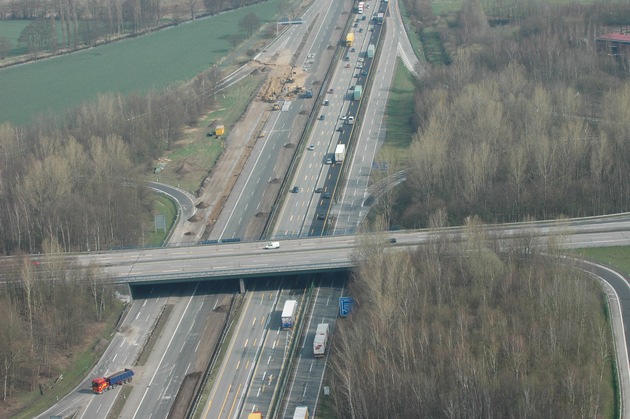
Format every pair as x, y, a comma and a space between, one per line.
262, 319
246, 340
269, 360
255, 341
166, 351
254, 321
225, 400
238, 364
234, 402
197, 346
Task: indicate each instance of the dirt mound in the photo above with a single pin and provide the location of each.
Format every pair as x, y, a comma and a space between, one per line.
184, 169
197, 216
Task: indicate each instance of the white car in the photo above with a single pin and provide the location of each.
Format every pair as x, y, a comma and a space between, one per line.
361, 60
343, 118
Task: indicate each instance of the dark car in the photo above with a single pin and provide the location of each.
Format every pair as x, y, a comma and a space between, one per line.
295, 189
318, 190
326, 195
392, 240
339, 129
321, 216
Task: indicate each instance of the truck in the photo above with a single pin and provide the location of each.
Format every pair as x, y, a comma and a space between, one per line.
288, 314
321, 340
370, 51
340, 153
219, 130
358, 91
301, 412
255, 415
102, 384
273, 245
350, 39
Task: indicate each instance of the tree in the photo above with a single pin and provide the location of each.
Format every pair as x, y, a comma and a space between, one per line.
5, 47
250, 22
37, 36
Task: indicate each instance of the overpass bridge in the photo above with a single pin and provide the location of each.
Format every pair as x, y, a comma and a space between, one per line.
241, 260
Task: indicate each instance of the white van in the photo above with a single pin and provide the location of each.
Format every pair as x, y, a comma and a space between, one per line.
273, 245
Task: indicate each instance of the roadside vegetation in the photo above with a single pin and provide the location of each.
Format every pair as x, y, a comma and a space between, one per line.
460, 330
53, 314
519, 118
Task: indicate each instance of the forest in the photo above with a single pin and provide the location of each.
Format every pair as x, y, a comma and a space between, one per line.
49, 307
77, 179
529, 121
484, 328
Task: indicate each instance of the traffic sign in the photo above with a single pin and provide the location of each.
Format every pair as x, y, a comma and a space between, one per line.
345, 306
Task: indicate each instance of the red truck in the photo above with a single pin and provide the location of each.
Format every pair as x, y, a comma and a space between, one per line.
102, 384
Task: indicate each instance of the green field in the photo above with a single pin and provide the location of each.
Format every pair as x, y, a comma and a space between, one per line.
148, 62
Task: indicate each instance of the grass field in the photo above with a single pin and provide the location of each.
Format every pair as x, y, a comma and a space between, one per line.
400, 105
149, 62
617, 257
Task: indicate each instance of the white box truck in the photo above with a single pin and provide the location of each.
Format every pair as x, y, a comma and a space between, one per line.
340, 153
321, 340
273, 245
301, 412
288, 314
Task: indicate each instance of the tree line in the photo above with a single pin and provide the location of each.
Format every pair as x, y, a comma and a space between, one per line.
77, 179
47, 308
483, 328
71, 24
528, 121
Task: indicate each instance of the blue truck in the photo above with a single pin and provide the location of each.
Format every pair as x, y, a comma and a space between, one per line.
102, 384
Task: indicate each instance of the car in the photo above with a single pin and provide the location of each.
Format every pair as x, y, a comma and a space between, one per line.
326, 195
311, 147
351, 87
346, 58
352, 49
392, 240
273, 245
371, 29
348, 65
364, 73
340, 129
357, 75
295, 189
343, 117
321, 117
321, 216
360, 30
360, 59
328, 160
360, 65
318, 190
331, 90
326, 102
364, 17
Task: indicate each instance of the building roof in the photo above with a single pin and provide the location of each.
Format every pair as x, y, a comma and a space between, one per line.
615, 37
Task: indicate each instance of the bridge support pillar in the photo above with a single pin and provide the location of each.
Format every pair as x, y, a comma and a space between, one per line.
241, 282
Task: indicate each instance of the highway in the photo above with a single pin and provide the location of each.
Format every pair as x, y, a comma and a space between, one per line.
256, 352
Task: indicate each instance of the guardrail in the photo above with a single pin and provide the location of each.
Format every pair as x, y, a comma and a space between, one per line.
234, 273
